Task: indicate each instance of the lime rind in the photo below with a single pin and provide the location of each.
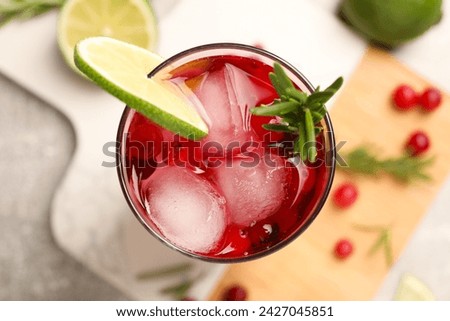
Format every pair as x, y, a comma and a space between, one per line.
125, 77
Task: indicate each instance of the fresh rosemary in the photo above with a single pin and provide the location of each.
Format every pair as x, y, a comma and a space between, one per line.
165, 271
383, 241
298, 112
404, 168
25, 9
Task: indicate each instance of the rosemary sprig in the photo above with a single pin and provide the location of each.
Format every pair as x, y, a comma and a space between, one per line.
180, 290
25, 9
298, 112
165, 271
404, 168
383, 241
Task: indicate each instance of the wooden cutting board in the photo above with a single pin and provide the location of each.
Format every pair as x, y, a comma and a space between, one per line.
306, 269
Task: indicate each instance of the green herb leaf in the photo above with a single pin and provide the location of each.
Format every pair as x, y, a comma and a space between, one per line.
383, 242
310, 136
25, 9
180, 290
296, 95
316, 99
299, 112
165, 271
334, 87
301, 141
283, 79
277, 109
403, 168
279, 128
317, 130
276, 84
316, 116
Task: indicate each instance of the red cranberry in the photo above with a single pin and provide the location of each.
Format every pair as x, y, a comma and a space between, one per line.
418, 143
343, 249
345, 195
404, 97
430, 99
235, 293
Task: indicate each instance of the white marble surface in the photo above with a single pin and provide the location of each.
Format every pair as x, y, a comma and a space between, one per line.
89, 213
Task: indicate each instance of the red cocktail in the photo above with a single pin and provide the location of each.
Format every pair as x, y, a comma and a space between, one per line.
240, 192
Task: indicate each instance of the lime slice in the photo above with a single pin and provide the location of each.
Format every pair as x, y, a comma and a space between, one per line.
121, 69
132, 21
411, 288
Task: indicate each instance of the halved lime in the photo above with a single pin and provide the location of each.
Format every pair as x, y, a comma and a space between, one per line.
121, 69
132, 21
411, 288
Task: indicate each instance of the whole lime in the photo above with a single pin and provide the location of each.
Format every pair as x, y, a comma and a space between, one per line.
391, 22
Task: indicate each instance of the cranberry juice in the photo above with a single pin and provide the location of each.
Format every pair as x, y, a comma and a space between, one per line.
237, 193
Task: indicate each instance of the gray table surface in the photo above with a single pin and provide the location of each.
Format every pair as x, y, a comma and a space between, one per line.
36, 145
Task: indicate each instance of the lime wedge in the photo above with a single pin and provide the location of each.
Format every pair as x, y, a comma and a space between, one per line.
411, 288
132, 21
121, 69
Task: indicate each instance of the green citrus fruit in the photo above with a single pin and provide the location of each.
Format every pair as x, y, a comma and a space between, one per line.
121, 69
411, 288
132, 21
391, 22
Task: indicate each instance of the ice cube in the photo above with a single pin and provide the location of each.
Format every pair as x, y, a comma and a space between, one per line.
186, 209
225, 120
248, 91
227, 95
253, 189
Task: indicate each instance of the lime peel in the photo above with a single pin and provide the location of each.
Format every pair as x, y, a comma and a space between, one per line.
121, 69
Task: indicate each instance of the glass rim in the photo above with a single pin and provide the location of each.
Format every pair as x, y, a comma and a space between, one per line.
329, 136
